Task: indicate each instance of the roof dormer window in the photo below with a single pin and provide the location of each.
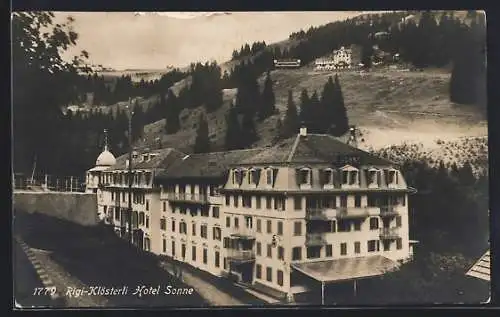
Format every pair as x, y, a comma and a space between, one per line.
393, 177
373, 176
237, 176
269, 176
254, 175
304, 176
350, 175
327, 176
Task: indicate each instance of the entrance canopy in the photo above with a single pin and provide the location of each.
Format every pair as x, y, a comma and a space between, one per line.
346, 269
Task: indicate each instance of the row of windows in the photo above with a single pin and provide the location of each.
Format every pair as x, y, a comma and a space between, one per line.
246, 201
139, 218
348, 177
323, 226
345, 225
216, 231
137, 198
314, 252
304, 176
330, 201
249, 224
204, 211
193, 253
280, 251
269, 274
212, 190
122, 178
252, 176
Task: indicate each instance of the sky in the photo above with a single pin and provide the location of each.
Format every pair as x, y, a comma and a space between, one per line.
128, 40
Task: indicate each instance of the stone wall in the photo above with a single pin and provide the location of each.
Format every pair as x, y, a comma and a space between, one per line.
80, 208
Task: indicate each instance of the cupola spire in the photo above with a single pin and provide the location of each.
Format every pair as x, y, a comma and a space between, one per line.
105, 139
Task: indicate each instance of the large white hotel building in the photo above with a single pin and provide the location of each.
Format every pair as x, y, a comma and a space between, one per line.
310, 209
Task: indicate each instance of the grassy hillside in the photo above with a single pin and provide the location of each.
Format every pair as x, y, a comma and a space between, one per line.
389, 106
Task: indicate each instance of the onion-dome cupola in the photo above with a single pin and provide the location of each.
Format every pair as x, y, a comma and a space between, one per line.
106, 158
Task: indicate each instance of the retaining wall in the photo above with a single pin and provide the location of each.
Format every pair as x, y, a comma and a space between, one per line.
80, 208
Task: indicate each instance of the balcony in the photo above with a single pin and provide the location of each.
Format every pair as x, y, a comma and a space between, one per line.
242, 233
352, 212
313, 213
315, 239
188, 198
240, 256
389, 233
388, 211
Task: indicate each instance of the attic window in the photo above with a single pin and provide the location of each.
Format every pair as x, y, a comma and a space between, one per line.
327, 176
237, 176
373, 174
304, 176
243, 175
145, 158
254, 176
353, 179
269, 176
393, 177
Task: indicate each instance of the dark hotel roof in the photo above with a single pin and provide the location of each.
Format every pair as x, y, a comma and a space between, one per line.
314, 148
211, 165
163, 159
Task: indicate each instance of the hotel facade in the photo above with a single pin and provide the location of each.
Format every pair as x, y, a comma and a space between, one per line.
309, 208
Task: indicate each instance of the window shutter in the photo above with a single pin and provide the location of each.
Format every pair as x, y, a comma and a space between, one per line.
378, 178
386, 176
275, 174
297, 176
310, 176
257, 176
335, 178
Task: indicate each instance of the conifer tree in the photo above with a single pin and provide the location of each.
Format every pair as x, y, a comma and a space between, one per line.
314, 124
202, 142
291, 122
233, 130
248, 130
328, 106
305, 109
137, 121
172, 113
279, 131
267, 105
340, 122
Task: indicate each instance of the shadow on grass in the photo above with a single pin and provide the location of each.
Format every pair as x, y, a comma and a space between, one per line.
97, 257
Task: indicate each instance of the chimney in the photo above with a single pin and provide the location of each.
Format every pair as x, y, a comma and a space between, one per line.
303, 131
126, 163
